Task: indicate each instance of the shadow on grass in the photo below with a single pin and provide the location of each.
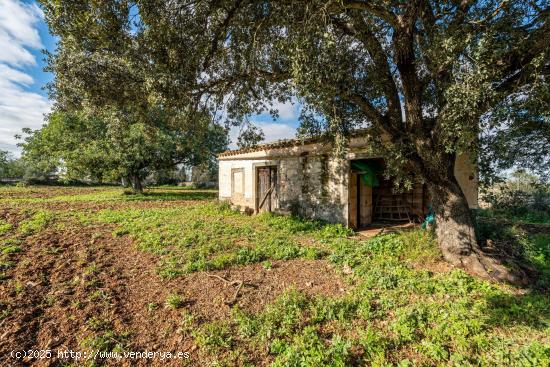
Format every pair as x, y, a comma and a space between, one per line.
532, 310
527, 244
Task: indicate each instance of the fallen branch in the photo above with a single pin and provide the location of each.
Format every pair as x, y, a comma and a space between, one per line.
235, 296
238, 283
222, 279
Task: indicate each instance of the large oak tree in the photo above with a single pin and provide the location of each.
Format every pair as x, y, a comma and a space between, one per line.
429, 75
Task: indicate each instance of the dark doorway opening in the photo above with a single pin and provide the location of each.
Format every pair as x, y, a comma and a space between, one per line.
374, 200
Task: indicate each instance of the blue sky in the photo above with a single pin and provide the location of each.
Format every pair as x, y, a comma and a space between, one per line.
23, 100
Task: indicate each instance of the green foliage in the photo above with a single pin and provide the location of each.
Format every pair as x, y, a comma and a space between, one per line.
446, 318
532, 249
399, 309
10, 167
348, 62
308, 349
174, 301
213, 336
396, 306
104, 341
9, 249
4, 227
115, 194
112, 144
249, 136
521, 198
212, 236
37, 222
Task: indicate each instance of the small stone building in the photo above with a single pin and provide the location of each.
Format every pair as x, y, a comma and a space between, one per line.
304, 178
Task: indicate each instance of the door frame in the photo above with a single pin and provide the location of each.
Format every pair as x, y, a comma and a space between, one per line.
357, 199
255, 167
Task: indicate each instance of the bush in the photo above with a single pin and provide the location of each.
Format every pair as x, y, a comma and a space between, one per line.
522, 198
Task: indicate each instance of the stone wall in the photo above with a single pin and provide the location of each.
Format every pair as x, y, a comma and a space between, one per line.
323, 188
311, 182
313, 186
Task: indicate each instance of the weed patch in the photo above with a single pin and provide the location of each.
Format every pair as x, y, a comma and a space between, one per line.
37, 222
5, 227
397, 314
212, 236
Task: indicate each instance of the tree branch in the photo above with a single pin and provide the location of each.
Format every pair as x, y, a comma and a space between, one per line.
380, 60
222, 30
404, 57
375, 9
461, 12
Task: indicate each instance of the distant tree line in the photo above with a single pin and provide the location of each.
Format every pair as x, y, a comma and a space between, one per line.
10, 166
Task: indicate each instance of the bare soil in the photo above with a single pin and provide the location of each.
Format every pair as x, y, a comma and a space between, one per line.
73, 281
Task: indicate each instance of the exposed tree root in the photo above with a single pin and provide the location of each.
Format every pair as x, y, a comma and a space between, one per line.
488, 267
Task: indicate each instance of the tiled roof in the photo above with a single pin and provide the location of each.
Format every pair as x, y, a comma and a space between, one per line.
287, 143
273, 145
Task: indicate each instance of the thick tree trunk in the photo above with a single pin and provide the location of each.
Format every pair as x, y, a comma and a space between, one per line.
455, 230
136, 184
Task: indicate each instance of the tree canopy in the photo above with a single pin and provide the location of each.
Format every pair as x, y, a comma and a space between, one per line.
10, 167
114, 145
433, 77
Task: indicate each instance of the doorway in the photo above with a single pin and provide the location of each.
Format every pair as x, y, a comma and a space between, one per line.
360, 201
372, 198
266, 189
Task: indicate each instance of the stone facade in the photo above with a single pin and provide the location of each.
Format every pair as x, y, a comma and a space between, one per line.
308, 185
310, 181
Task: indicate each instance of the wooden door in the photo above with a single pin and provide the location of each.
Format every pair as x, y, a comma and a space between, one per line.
365, 204
273, 195
265, 193
353, 196
360, 203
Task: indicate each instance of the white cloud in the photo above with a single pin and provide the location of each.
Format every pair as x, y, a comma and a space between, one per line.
273, 131
9, 75
288, 110
276, 131
19, 107
13, 53
18, 30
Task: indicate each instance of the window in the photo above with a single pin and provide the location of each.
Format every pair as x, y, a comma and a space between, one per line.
237, 182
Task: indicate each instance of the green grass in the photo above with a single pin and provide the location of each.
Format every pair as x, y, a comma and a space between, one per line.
4, 227
399, 310
532, 249
212, 236
108, 194
121, 195
214, 336
12, 237
524, 216
395, 315
174, 301
38, 221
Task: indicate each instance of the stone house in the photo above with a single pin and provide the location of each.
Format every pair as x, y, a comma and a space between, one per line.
304, 178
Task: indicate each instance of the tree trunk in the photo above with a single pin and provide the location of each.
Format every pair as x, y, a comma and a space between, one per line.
456, 237
136, 184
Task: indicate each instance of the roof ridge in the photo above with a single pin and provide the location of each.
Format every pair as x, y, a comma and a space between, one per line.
284, 143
